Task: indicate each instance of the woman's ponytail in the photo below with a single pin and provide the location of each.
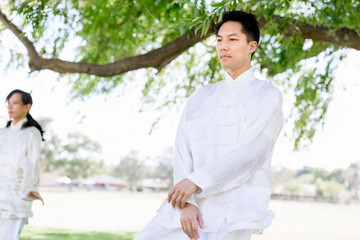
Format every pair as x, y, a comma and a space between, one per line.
32, 123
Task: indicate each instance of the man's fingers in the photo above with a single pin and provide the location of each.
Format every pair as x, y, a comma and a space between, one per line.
185, 228
173, 199
201, 221
195, 229
185, 188
190, 230
189, 227
180, 200
183, 202
171, 192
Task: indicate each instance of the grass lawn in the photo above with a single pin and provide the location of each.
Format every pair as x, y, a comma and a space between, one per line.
61, 234
105, 215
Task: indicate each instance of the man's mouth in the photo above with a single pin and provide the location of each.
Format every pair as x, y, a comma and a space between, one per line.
224, 57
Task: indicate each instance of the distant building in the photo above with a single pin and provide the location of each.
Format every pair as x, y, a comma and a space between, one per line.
104, 182
53, 180
156, 184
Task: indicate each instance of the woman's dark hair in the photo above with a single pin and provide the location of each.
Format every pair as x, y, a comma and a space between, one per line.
250, 26
26, 99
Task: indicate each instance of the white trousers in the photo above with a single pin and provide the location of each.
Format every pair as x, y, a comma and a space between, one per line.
10, 229
155, 231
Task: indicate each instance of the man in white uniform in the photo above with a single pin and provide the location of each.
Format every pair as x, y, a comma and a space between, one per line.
223, 148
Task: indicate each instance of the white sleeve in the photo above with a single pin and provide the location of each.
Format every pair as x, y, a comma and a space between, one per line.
31, 166
254, 147
183, 162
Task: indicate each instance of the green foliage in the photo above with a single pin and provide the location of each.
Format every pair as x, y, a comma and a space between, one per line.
292, 187
316, 182
163, 167
103, 31
166, 85
114, 30
38, 16
328, 189
79, 168
337, 175
76, 157
281, 175
131, 169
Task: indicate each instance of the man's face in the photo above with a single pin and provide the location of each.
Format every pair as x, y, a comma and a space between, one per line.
233, 49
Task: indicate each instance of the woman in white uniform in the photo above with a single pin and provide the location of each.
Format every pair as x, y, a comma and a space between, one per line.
19, 165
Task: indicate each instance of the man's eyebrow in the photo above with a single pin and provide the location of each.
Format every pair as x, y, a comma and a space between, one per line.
229, 35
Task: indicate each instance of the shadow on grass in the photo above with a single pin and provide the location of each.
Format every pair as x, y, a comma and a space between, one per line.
56, 234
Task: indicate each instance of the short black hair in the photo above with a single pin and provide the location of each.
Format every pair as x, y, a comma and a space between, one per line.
250, 26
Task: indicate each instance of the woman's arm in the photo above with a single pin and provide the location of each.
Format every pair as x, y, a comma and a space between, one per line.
31, 167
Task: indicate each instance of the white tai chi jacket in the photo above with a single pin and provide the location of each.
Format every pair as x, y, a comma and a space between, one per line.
19, 169
224, 145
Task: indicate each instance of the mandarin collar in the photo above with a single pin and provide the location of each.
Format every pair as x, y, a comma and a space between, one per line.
18, 125
243, 79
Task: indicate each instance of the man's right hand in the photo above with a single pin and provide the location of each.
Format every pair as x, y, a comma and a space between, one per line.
189, 217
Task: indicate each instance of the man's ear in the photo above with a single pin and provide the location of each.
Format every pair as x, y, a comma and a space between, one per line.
253, 46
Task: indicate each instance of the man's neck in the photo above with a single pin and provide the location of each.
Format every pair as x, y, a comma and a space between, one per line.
234, 73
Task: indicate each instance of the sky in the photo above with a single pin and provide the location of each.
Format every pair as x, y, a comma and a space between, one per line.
115, 122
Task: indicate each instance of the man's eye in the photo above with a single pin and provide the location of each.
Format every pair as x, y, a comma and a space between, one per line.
233, 39
218, 40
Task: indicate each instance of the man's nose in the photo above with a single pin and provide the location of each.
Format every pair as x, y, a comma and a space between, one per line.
223, 47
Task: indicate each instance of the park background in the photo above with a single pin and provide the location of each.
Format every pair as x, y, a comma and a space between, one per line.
106, 138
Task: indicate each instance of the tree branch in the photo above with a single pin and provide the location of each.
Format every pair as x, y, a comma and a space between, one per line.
343, 36
162, 56
157, 58
20, 35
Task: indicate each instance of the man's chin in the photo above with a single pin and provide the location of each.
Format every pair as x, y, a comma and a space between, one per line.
226, 66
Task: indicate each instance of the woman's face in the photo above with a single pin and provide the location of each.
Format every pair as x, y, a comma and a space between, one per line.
16, 108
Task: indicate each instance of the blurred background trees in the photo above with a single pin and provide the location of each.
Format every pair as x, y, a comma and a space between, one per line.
97, 44
131, 169
338, 185
76, 157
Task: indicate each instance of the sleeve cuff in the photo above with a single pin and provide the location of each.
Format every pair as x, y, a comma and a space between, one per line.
202, 180
192, 201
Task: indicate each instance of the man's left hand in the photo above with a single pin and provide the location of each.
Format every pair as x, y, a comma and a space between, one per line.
180, 193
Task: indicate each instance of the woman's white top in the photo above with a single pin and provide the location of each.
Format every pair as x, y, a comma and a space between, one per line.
19, 169
224, 145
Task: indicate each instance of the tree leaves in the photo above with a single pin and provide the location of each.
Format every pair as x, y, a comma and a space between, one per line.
113, 30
